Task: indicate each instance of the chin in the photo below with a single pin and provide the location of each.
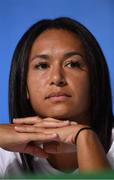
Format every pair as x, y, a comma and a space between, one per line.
59, 113
59, 116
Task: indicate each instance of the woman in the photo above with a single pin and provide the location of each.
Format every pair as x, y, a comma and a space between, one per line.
59, 102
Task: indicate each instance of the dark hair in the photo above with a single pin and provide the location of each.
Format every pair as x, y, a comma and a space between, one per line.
101, 100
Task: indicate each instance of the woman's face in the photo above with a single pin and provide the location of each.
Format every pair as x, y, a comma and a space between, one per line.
57, 81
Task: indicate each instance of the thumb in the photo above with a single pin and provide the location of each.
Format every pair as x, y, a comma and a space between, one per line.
35, 151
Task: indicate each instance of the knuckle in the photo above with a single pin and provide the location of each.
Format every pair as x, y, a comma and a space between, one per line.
47, 119
39, 119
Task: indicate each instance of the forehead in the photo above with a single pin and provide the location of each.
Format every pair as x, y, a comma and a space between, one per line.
52, 39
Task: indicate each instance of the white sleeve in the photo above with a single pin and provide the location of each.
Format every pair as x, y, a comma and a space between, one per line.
3, 159
10, 163
110, 154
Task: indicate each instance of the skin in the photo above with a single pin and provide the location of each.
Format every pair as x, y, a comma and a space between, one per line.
89, 154
57, 63
13, 140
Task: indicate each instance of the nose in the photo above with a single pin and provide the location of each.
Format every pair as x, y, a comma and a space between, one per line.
58, 77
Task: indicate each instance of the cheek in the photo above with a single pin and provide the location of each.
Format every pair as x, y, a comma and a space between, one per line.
85, 93
81, 88
36, 82
37, 88
35, 85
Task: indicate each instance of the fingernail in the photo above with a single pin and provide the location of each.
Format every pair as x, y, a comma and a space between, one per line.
54, 135
72, 122
67, 121
18, 128
15, 119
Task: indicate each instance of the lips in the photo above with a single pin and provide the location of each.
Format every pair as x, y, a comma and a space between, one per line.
57, 95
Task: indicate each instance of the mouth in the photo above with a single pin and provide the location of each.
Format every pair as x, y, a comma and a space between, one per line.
58, 96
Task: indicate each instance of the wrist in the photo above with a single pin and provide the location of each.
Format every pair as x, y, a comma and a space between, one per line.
87, 138
83, 130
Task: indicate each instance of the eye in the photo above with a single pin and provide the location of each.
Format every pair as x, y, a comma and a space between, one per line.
41, 66
74, 64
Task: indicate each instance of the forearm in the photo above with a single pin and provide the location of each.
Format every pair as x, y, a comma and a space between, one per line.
90, 153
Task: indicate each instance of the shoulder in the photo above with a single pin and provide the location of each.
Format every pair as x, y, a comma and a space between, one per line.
8, 161
110, 154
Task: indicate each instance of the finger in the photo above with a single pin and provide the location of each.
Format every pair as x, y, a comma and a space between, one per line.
50, 124
28, 129
36, 119
36, 136
49, 119
43, 124
73, 123
42, 138
35, 151
27, 120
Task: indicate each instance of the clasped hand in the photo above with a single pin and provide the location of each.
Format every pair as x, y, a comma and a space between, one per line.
27, 134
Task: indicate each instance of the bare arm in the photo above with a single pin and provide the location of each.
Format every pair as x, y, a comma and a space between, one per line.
90, 153
22, 142
12, 140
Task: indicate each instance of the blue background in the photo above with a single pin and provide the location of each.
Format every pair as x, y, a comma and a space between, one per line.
17, 15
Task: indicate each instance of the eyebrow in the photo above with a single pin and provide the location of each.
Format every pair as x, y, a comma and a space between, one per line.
66, 55
72, 53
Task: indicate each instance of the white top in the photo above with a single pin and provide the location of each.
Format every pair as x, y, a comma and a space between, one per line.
11, 163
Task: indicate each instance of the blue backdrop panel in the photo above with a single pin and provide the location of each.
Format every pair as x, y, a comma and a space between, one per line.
17, 15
